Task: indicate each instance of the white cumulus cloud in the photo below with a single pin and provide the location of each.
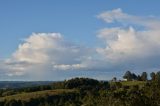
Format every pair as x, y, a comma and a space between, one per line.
130, 44
133, 42
46, 52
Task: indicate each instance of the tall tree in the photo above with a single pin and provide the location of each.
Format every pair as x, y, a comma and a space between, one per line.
144, 76
158, 76
134, 76
139, 78
114, 79
128, 76
153, 76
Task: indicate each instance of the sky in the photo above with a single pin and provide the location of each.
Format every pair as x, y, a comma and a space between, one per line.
57, 39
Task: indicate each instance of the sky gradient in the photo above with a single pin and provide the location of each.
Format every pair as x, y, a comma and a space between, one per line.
57, 40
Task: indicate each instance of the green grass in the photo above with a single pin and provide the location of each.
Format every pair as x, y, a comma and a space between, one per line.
132, 83
27, 96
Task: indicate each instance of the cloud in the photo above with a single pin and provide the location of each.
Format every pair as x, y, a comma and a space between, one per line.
46, 52
69, 67
118, 16
131, 42
114, 15
130, 45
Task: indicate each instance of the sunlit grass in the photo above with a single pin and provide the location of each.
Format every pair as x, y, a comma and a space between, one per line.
27, 96
132, 83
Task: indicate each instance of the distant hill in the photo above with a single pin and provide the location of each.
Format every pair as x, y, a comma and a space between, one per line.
22, 84
84, 92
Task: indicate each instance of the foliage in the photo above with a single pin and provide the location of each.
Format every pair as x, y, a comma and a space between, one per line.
128, 76
87, 92
144, 76
153, 76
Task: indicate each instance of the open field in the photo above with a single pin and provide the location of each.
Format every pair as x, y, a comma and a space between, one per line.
132, 83
38, 94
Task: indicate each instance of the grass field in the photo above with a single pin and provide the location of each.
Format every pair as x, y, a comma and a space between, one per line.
132, 83
27, 96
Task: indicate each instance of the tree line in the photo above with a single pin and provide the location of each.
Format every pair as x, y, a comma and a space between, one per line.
91, 92
143, 77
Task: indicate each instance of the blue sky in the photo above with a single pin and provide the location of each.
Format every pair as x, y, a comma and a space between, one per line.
20, 18
78, 24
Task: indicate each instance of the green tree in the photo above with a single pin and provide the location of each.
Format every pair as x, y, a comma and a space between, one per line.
144, 76
139, 78
114, 79
158, 76
128, 76
153, 76
134, 76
